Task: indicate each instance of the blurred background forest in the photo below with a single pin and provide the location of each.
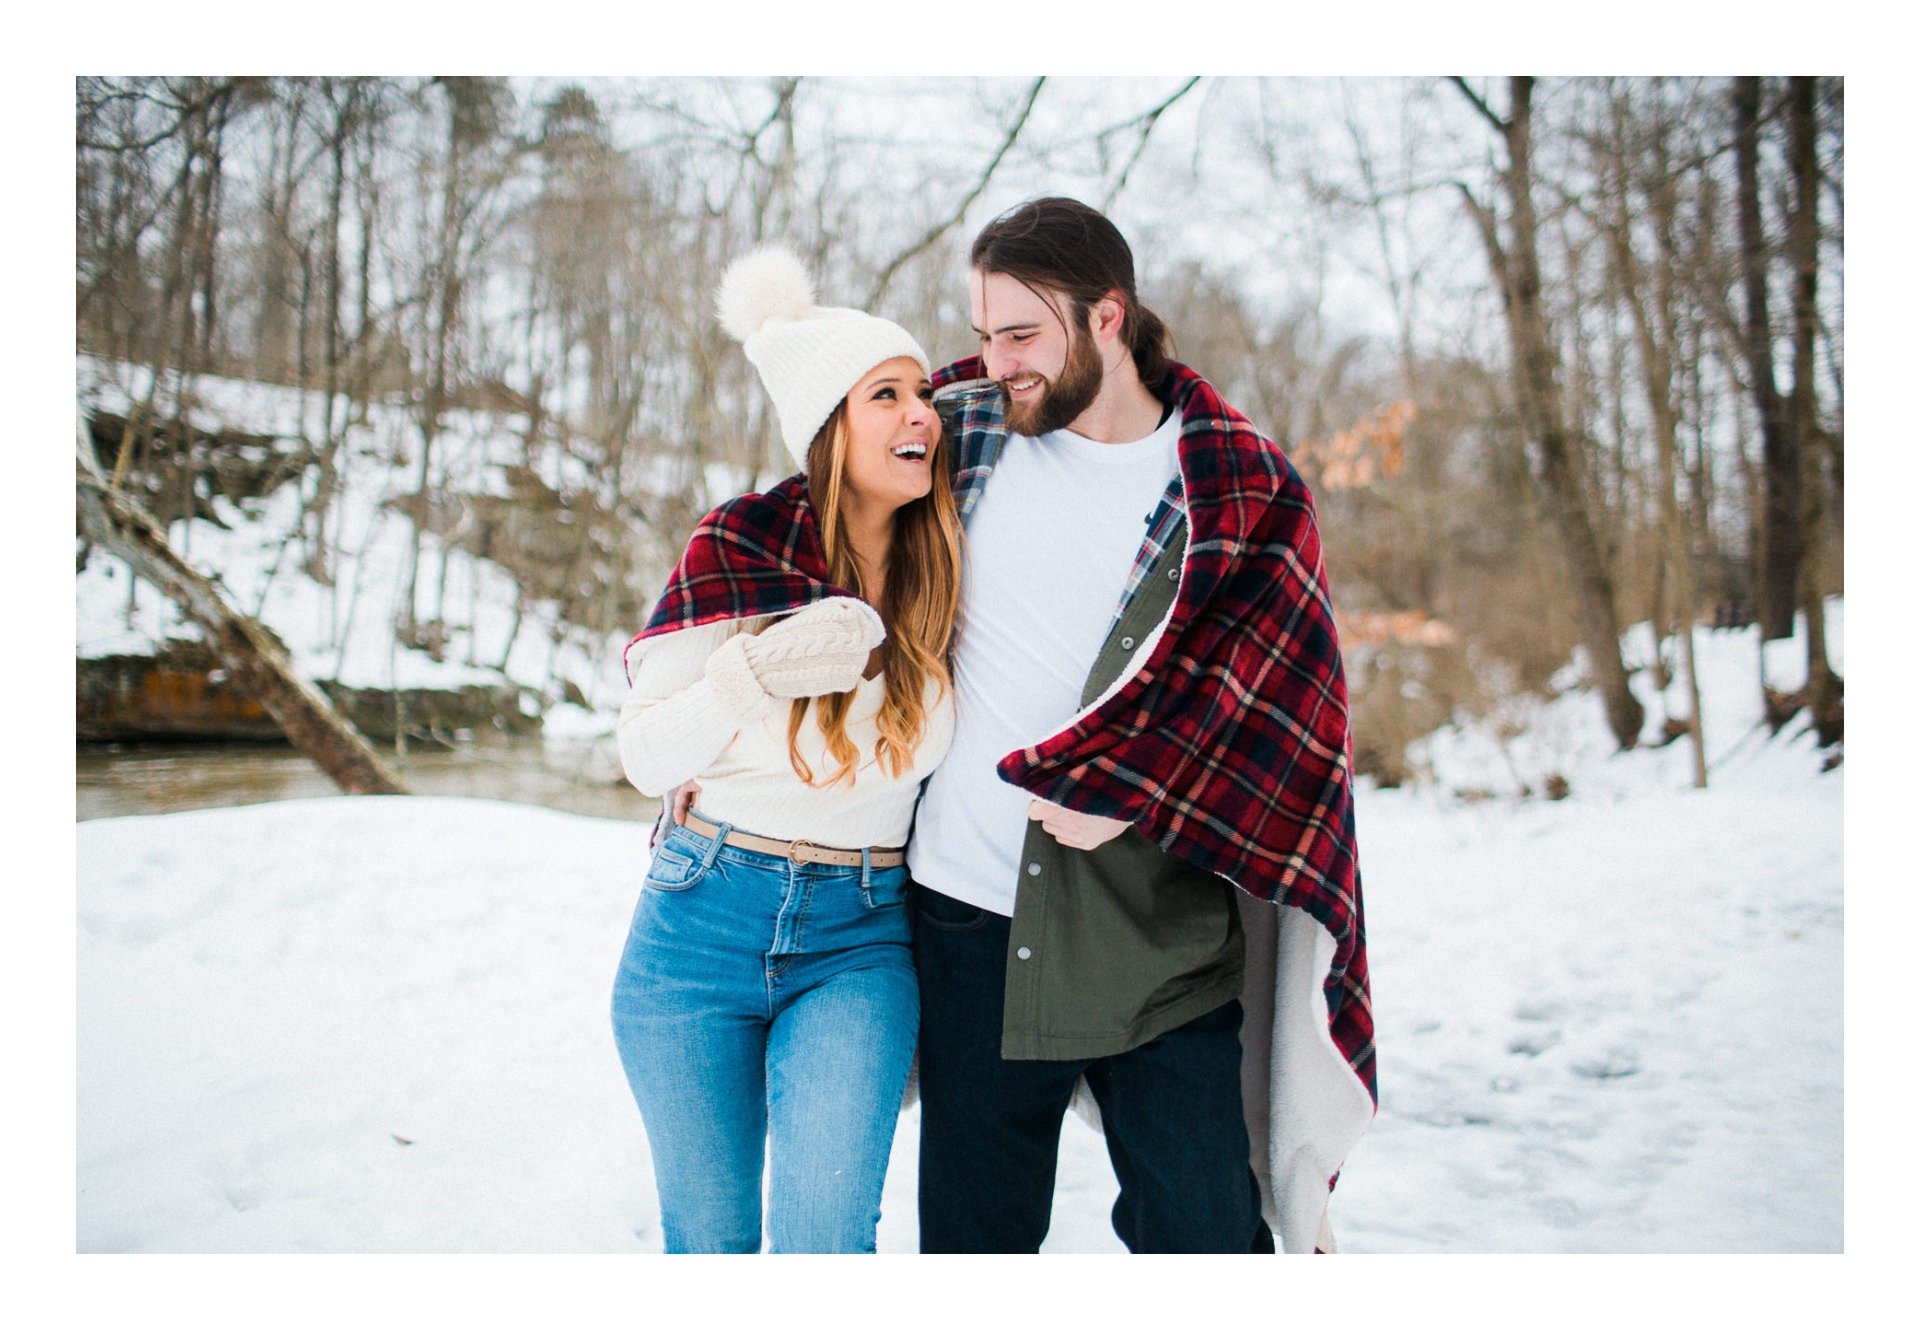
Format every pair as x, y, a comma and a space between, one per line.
1557, 357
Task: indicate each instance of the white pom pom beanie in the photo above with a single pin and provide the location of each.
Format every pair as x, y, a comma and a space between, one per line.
808, 355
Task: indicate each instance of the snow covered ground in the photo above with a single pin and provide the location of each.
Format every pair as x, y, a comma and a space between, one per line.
1608, 1023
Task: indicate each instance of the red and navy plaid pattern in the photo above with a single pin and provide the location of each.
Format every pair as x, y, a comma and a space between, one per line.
1230, 746
754, 555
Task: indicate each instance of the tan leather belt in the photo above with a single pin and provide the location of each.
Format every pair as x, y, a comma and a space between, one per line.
800, 851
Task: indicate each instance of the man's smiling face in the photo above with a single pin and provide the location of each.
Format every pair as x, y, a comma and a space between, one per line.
1033, 344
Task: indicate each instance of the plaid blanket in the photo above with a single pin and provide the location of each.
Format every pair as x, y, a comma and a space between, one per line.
754, 555
1230, 744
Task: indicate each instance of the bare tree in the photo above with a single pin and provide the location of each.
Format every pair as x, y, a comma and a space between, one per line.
1780, 532
1560, 445
1793, 443
1823, 685
474, 163
1651, 301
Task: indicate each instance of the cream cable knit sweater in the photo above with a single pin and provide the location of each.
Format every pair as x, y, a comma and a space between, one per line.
703, 706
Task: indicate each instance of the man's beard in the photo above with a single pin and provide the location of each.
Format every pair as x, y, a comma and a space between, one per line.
1064, 399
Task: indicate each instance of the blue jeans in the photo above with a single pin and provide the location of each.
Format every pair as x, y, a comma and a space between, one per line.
990, 1128
765, 1013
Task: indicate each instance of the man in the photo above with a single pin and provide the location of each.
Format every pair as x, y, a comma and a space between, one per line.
1151, 714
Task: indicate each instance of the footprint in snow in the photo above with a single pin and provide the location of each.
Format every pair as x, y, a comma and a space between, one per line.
1533, 1045
1540, 1011
1611, 1067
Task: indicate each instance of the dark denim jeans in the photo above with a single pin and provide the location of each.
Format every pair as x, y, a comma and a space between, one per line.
990, 1128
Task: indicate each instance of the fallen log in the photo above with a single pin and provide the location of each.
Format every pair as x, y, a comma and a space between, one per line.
255, 661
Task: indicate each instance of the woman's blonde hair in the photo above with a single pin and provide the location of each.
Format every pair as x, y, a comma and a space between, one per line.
920, 604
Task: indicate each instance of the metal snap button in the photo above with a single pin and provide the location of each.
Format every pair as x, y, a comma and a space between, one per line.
1025, 953
1126, 644
1033, 870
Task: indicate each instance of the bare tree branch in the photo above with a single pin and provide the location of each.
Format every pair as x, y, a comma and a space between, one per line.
932, 237
1478, 103
184, 111
1146, 120
782, 108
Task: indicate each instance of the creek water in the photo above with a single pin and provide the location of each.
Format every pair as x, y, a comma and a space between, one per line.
115, 780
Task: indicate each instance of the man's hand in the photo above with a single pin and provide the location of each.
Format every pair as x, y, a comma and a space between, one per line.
1076, 831
682, 799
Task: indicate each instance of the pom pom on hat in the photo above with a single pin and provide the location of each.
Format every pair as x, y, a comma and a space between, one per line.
809, 356
767, 284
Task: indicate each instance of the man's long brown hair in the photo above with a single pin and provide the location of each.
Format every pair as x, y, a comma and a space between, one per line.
1066, 246
919, 606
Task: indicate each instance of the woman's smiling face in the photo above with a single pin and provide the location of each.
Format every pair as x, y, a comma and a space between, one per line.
892, 435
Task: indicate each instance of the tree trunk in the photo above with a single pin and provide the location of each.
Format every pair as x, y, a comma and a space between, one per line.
1779, 571
1655, 326
1823, 686
1559, 473
326, 481
250, 655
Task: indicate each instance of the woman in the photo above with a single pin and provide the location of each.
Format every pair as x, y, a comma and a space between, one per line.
797, 668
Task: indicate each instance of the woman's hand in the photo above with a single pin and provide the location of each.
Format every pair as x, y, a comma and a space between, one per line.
823, 649
820, 650
681, 800
1076, 831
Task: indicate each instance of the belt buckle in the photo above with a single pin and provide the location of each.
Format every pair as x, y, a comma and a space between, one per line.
803, 852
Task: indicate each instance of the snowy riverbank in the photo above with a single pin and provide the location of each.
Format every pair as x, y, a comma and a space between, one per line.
1609, 1023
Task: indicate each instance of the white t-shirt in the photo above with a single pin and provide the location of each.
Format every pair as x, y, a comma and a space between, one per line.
1049, 546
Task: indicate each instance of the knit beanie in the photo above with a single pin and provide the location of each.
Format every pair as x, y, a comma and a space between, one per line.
809, 356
